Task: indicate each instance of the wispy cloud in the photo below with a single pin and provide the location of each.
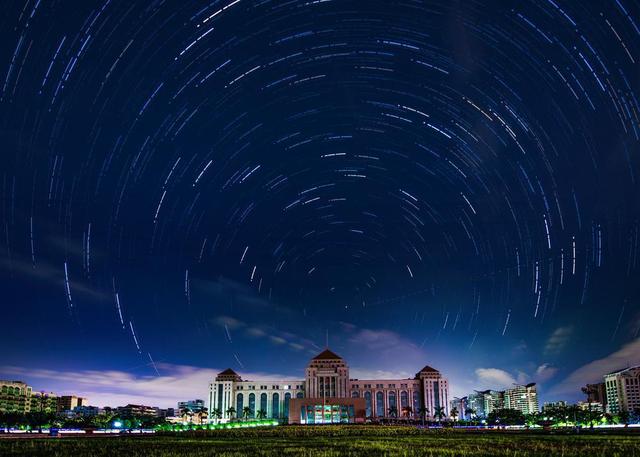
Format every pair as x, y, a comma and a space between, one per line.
544, 372
52, 275
270, 334
387, 346
629, 354
494, 378
558, 340
400, 357
498, 379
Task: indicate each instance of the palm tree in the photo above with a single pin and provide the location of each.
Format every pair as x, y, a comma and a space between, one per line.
216, 413
423, 412
186, 412
454, 413
261, 414
438, 412
624, 417
393, 412
231, 411
246, 412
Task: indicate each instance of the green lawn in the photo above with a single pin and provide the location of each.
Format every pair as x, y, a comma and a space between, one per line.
331, 441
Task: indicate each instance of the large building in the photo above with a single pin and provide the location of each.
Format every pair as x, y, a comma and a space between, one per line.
69, 402
192, 405
15, 397
485, 401
461, 405
86, 411
550, 405
328, 394
596, 393
623, 390
43, 402
522, 398
475, 404
136, 411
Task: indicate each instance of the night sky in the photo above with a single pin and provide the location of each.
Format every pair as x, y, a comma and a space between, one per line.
188, 186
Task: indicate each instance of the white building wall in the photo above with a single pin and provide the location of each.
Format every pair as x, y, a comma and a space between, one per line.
231, 389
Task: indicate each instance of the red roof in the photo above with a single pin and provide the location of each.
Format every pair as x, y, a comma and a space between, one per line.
327, 355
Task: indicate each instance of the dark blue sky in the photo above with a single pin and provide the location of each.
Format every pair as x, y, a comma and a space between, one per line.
188, 186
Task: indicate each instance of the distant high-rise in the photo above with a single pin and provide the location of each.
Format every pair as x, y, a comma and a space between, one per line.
69, 402
486, 401
554, 404
137, 411
462, 406
86, 411
623, 390
192, 405
522, 398
475, 402
596, 393
590, 406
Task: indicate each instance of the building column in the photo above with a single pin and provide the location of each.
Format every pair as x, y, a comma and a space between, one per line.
385, 403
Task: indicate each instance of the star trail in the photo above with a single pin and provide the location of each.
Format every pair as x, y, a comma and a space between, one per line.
216, 182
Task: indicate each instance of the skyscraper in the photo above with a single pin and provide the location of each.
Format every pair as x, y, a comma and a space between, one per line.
523, 398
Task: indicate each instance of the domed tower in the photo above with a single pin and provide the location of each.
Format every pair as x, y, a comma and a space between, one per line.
435, 390
327, 376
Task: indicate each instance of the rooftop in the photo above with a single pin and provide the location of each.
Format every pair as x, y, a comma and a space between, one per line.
228, 372
428, 369
327, 355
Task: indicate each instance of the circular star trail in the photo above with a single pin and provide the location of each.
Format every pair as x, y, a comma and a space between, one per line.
456, 168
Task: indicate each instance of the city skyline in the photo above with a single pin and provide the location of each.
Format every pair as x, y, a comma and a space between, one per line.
187, 186
187, 381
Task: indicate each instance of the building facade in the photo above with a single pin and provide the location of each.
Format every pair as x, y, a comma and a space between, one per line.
522, 398
86, 411
70, 402
475, 402
623, 390
131, 410
462, 408
15, 397
596, 393
485, 401
328, 394
591, 406
192, 405
548, 405
44, 402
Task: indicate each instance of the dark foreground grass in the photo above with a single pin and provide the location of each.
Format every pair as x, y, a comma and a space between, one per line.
331, 441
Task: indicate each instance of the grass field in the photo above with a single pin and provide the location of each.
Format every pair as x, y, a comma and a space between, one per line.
331, 441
